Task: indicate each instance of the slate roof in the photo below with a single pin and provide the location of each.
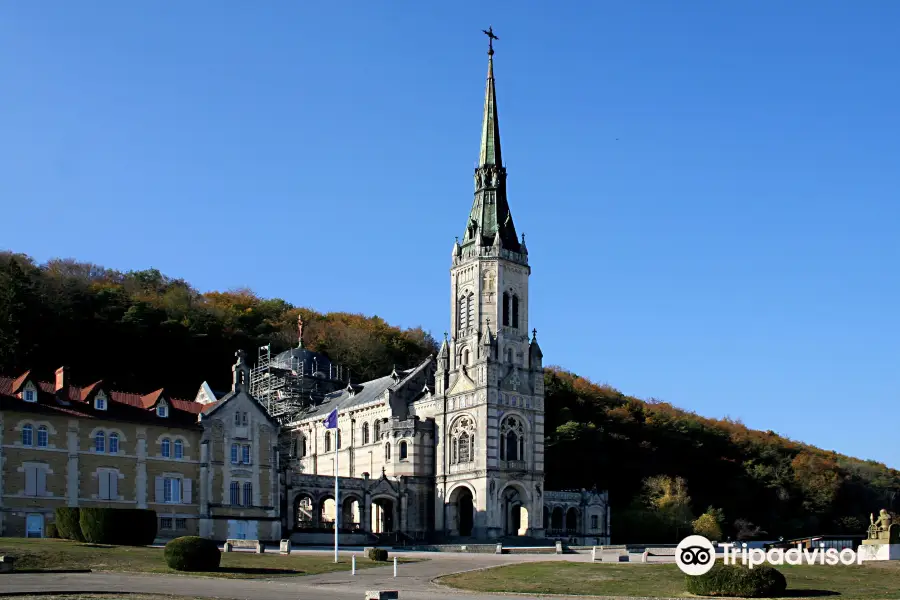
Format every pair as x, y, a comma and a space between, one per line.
121, 406
363, 393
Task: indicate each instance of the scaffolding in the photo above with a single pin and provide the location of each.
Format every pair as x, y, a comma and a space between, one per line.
288, 383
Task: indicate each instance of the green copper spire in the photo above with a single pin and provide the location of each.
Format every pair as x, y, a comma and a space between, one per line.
490, 127
490, 222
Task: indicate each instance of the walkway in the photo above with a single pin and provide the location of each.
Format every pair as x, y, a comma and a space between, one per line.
413, 581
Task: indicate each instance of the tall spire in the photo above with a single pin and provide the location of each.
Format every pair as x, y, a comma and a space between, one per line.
490, 127
490, 222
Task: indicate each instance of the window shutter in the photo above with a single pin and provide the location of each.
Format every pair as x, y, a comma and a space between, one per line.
113, 485
187, 491
160, 490
41, 482
30, 481
103, 477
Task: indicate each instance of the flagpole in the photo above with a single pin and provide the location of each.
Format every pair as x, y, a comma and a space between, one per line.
337, 502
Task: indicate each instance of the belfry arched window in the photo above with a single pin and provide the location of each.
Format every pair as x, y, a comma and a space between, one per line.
462, 441
506, 309
376, 431
327, 441
515, 311
512, 439
365, 433
466, 311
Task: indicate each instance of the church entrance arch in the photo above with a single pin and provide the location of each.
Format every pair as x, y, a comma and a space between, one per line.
515, 506
382, 515
462, 511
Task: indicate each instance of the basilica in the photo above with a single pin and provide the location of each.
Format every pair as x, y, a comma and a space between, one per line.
448, 451
454, 447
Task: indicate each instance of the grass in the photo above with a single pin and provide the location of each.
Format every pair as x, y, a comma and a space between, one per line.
874, 580
53, 554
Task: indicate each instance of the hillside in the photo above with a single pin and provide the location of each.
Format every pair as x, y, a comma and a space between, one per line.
663, 466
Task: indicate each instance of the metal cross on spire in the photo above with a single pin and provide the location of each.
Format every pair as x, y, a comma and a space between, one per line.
491, 37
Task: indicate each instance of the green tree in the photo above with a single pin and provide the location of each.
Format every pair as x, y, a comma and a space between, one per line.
709, 524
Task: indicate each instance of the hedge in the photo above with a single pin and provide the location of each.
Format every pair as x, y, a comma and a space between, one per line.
377, 554
763, 581
68, 524
192, 553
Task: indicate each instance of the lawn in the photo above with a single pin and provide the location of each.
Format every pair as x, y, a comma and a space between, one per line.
48, 554
875, 580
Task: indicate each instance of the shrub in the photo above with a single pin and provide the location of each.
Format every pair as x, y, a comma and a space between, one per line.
140, 526
50, 531
68, 523
192, 553
120, 526
377, 554
738, 581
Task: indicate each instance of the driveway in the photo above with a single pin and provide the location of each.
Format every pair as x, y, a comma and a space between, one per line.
413, 581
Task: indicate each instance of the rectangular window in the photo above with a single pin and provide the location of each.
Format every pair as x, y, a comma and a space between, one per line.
237, 419
248, 494
30, 396
234, 454
165, 522
100, 403
594, 521
180, 523
245, 454
244, 419
172, 490
235, 493
108, 482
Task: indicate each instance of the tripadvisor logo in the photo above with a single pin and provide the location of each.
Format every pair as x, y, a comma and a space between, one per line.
695, 555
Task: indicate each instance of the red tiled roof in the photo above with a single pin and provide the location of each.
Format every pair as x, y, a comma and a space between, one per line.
19, 382
149, 400
133, 406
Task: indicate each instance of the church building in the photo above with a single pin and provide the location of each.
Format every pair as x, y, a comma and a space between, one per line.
454, 447
450, 450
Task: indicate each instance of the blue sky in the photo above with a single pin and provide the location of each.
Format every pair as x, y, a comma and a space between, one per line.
708, 189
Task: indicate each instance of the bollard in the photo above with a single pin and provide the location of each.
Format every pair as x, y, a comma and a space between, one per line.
395, 566
593, 553
353, 565
645, 556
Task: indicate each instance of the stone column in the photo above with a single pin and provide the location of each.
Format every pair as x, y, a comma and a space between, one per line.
140, 480
72, 479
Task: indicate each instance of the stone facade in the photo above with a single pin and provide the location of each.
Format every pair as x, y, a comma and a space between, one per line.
62, 445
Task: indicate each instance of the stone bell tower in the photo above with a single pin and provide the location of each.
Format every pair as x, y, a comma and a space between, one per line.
489, 380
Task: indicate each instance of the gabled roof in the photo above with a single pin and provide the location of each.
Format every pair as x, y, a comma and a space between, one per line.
122, 406
208, 409
364, 393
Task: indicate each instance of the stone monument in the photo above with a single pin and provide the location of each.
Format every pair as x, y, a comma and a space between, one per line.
883, 539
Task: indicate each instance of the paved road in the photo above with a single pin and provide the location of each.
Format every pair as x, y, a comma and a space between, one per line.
414, 581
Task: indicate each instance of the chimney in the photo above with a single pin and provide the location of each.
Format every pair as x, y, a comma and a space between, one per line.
62, 384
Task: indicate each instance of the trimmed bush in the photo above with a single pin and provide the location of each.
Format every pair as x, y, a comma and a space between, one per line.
50, 531
192, 553
68, 523
738, 581
140, 525
377, 554
119, 526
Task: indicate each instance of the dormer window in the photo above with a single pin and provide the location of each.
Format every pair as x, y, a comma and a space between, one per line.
162, 411
100, 402
29, 395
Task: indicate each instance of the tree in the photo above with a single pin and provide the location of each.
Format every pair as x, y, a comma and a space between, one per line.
709, 524
669, 497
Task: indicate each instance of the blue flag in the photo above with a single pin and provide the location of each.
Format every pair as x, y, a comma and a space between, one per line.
331, 421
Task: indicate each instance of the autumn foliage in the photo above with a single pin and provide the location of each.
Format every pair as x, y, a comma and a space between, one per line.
663, 466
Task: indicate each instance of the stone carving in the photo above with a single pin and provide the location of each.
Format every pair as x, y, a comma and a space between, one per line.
883, 530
